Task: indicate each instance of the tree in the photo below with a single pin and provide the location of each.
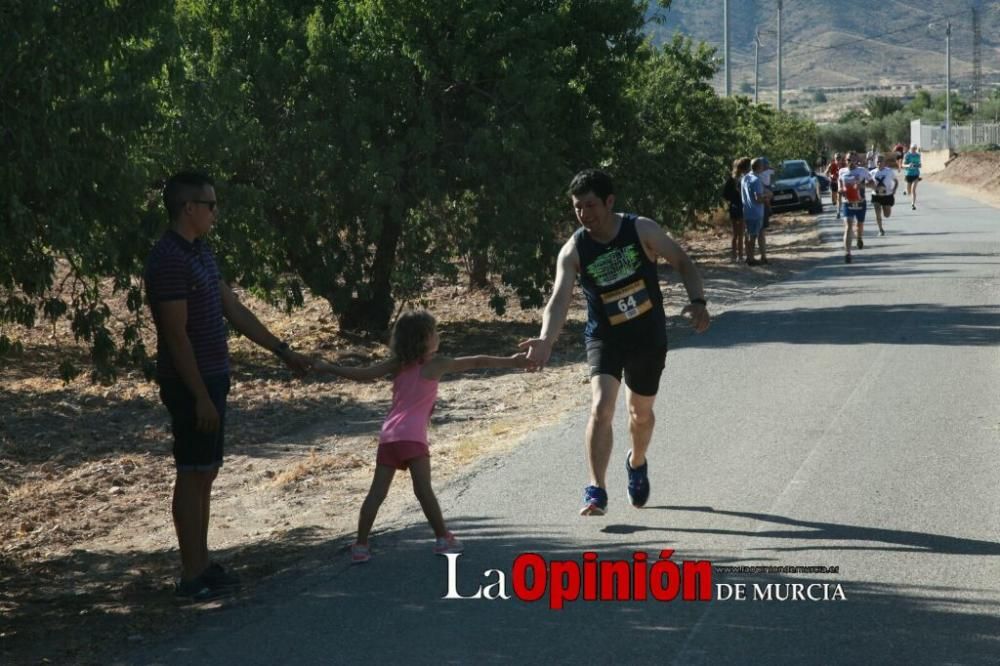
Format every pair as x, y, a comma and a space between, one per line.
879, 107
675, 144
80, 125
399, 115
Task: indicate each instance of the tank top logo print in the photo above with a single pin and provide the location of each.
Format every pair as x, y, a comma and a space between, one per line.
615, 265
626, 303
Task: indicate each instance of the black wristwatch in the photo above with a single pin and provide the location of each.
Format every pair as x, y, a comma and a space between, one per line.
699, 301
281, 349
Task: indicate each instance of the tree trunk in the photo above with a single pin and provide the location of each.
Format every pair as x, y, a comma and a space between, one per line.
372, 314
478, 270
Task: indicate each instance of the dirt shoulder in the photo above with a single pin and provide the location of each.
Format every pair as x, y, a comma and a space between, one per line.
977, 175
87, 549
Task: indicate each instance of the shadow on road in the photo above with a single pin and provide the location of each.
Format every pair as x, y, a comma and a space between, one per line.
902, 324
815, 533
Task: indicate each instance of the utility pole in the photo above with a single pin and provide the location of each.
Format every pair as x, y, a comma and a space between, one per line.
947, 92
756, 65
779, 54
725, 43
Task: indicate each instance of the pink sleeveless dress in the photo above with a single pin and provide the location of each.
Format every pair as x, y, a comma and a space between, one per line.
404, 432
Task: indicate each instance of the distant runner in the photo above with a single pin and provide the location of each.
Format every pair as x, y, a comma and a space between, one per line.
884, 196
871, 159
900, 150
831, 172
911, 165
853, 178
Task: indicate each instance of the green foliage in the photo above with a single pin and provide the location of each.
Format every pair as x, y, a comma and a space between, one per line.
673, 152
78, 131
819, 97
360, 147
880, 107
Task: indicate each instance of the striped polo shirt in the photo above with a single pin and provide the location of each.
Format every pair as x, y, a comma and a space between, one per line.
178, 269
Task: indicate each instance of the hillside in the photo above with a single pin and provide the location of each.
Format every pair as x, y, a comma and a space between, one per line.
828, 48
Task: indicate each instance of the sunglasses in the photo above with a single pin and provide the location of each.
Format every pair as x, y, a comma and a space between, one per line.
211, 204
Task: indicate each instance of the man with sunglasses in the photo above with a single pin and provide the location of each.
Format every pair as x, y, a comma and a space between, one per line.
189, 302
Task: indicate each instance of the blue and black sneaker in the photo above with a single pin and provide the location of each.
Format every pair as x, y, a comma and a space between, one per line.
595, 501
638, 482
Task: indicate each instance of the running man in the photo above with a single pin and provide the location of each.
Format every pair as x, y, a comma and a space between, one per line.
614, 256
911, 164
900, 150
831, 172
852, 191
884, 196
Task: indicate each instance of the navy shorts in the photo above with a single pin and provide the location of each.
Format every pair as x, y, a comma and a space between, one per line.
856, 210
194, 450
641, 366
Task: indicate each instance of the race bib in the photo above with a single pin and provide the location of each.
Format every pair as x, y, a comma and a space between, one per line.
627, 303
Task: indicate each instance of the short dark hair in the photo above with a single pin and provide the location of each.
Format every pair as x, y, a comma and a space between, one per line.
411, 335
181, 188
592, 180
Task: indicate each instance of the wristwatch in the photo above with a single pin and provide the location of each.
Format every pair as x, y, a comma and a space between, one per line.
281, 349
699, 301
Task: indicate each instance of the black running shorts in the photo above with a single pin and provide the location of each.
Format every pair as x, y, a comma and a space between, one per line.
641, 366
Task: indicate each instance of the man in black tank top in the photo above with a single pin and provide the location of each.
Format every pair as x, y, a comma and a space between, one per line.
614, 257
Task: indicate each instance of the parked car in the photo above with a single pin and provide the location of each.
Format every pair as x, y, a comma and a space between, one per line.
824, 183
796, 186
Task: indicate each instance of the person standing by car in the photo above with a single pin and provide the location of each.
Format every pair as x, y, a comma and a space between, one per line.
884, 196
766, 178
831, 173
752, 194
911, 165
731, 192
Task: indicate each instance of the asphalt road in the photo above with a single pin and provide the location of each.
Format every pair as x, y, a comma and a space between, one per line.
847, 417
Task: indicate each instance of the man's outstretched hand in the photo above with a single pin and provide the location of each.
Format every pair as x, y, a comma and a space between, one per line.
698, 314
538, 353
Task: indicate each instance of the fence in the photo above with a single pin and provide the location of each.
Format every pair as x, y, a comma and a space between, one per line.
932, 137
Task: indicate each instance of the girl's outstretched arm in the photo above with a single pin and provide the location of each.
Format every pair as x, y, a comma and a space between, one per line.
442, 365
362, 374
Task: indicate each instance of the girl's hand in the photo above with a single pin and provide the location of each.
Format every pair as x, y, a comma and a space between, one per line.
521, 360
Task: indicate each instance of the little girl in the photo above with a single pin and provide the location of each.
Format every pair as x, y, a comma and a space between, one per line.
416, 370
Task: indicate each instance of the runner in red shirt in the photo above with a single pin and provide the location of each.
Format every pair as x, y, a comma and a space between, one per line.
831, 172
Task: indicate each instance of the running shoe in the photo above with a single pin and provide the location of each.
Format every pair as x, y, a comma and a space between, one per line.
913, 206
847, 258
360, 553
595, 501
881, 232
447, 544
861, 244
638, 482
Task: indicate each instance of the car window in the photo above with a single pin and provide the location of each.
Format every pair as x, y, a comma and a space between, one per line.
793, 170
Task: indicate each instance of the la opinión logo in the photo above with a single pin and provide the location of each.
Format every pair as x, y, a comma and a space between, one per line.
532, 578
